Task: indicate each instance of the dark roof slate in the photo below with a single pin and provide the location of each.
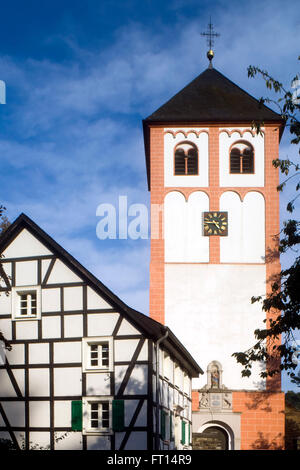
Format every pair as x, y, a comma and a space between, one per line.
212, 97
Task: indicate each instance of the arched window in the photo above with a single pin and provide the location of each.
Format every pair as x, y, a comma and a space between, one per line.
241, 158
186, 159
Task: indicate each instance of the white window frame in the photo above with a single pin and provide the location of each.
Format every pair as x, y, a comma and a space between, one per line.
86, 354
87, 428
16, 302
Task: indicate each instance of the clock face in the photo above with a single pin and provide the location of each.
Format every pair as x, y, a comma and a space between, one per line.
215, 223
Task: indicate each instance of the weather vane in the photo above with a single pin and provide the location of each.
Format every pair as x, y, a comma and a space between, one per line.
210, 35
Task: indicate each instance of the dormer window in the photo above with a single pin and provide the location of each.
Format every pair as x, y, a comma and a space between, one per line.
186, 159
241, 158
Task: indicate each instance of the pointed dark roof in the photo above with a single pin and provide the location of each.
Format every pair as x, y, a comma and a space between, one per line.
151, 328
212, 97
209, 98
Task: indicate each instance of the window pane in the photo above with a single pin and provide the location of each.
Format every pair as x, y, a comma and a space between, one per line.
248, 161
179, 162
235, 161
192, 162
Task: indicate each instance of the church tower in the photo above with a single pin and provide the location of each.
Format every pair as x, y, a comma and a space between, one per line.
215, 212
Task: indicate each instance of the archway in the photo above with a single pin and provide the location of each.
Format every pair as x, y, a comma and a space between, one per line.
212, 437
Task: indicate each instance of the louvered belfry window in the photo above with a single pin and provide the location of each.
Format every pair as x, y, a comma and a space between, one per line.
242, 158
186, 159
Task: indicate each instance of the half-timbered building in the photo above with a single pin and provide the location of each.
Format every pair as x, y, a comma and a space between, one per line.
85, 370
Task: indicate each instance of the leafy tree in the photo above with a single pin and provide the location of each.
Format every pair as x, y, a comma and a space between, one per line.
284, 298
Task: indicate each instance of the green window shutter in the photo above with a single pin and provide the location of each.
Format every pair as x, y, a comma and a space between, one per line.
189, 433
163, 424
182, 432
118, 415
76, 415
171, 429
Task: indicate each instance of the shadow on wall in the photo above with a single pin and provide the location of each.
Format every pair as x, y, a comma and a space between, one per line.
263, 443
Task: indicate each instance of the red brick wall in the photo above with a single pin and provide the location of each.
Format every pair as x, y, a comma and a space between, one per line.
262, 419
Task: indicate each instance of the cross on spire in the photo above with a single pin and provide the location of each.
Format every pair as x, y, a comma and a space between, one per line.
210, 35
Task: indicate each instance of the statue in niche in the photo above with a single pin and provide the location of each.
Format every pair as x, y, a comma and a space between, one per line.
204, 400
215, 377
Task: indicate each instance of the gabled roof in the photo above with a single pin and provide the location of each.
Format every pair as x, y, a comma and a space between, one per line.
212, 97
209, 98
149, 327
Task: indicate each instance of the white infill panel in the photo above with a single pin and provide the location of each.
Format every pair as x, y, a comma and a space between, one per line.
137, 441
45, 266
7, 269
15, 412
120, 372
5, 304
67, 352
102, 324
98, 442
39, 414
138, 381
68, 441
127, 329
61, 274
51, 300
27, 329
67, 381
124, 349
39, 382
72, 298
39, 353
6, 386
51, 327
40, 438
25, 245
73, 325
98, 384
26, 273
5, 327
95, 301
62, 414
16, 355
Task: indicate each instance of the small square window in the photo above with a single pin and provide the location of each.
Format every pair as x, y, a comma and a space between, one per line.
26, 303
98, 354
97, 415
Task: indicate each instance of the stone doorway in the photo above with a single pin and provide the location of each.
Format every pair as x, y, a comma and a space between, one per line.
212, 438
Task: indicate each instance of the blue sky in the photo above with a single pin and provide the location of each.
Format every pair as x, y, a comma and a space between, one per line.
81, 76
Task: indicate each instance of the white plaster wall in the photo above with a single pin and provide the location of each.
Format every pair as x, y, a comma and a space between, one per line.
73, 298
245, 242
73, 325
184, 240
62, 274
67, 352
236, 180
102, 324
5, 327
95, 301
39, 382
51, 300
98, 384
201, 142
62, 414
15, 412
25, 245
217, 320
138, 381
27, 329
98, 442
39, 414
137, 441
26, 273
68, 441
51, 327
16, 355
39, 353
6, 389
120, 372
7, 269
5, 303
124, 349
40, 438
45, 266
130, 407
67, 381
127, 329
143, 356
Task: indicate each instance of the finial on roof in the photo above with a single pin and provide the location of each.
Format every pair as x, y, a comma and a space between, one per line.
210, 34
